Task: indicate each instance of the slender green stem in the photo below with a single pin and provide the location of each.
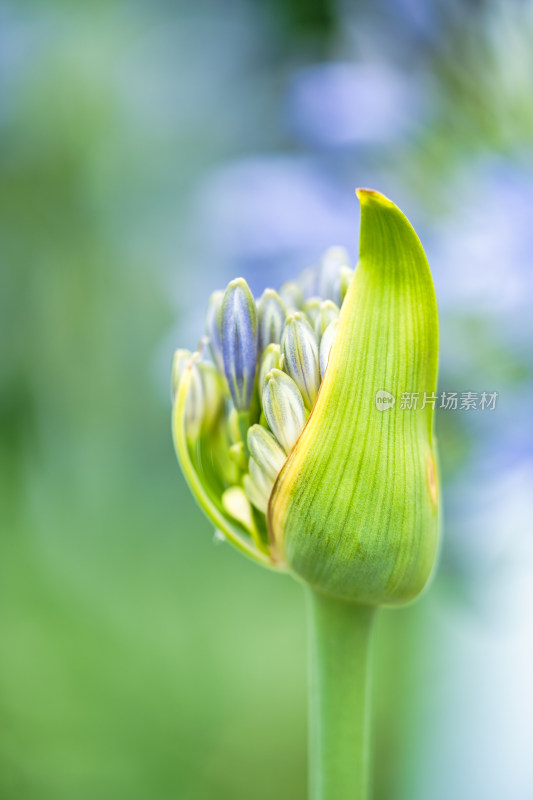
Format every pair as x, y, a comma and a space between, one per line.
339, 746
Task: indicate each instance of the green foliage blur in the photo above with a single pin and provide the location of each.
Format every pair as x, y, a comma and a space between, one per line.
139, 660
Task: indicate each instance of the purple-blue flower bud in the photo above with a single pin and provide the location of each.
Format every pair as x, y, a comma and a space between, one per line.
239, 342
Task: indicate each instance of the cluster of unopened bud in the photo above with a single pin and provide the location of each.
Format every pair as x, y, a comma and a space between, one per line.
256, 376
276, 430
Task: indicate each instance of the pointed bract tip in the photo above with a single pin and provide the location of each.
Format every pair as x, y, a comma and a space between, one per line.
371, 196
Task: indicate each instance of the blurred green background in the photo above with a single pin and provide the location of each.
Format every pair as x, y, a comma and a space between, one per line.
149, 152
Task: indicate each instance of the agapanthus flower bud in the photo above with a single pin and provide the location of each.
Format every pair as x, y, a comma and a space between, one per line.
312, 309
284, 408
237, 504
179, 361
272, 358
237, 453
328, 313
271, 312
194, 407
263, 481
212, 393
239, 342
344, 494
291, 295
255, 494
265, 449
300, 352
233, 428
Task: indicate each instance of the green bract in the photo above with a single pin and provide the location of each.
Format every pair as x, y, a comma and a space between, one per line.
285, 442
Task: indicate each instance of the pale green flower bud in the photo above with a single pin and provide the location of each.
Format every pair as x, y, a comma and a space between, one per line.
261, 479
239, 342
326, 343
179, 361
238, 455
291, 295
271, 312
205, 397
328, 313
195, 404
284, 408
233, 426
312, 309
212, 393
300, 352
265, 449
237, 505
272, 359
225, 508
257, 494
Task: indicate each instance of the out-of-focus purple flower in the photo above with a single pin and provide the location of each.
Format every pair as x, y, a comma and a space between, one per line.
347, 103
481, 253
